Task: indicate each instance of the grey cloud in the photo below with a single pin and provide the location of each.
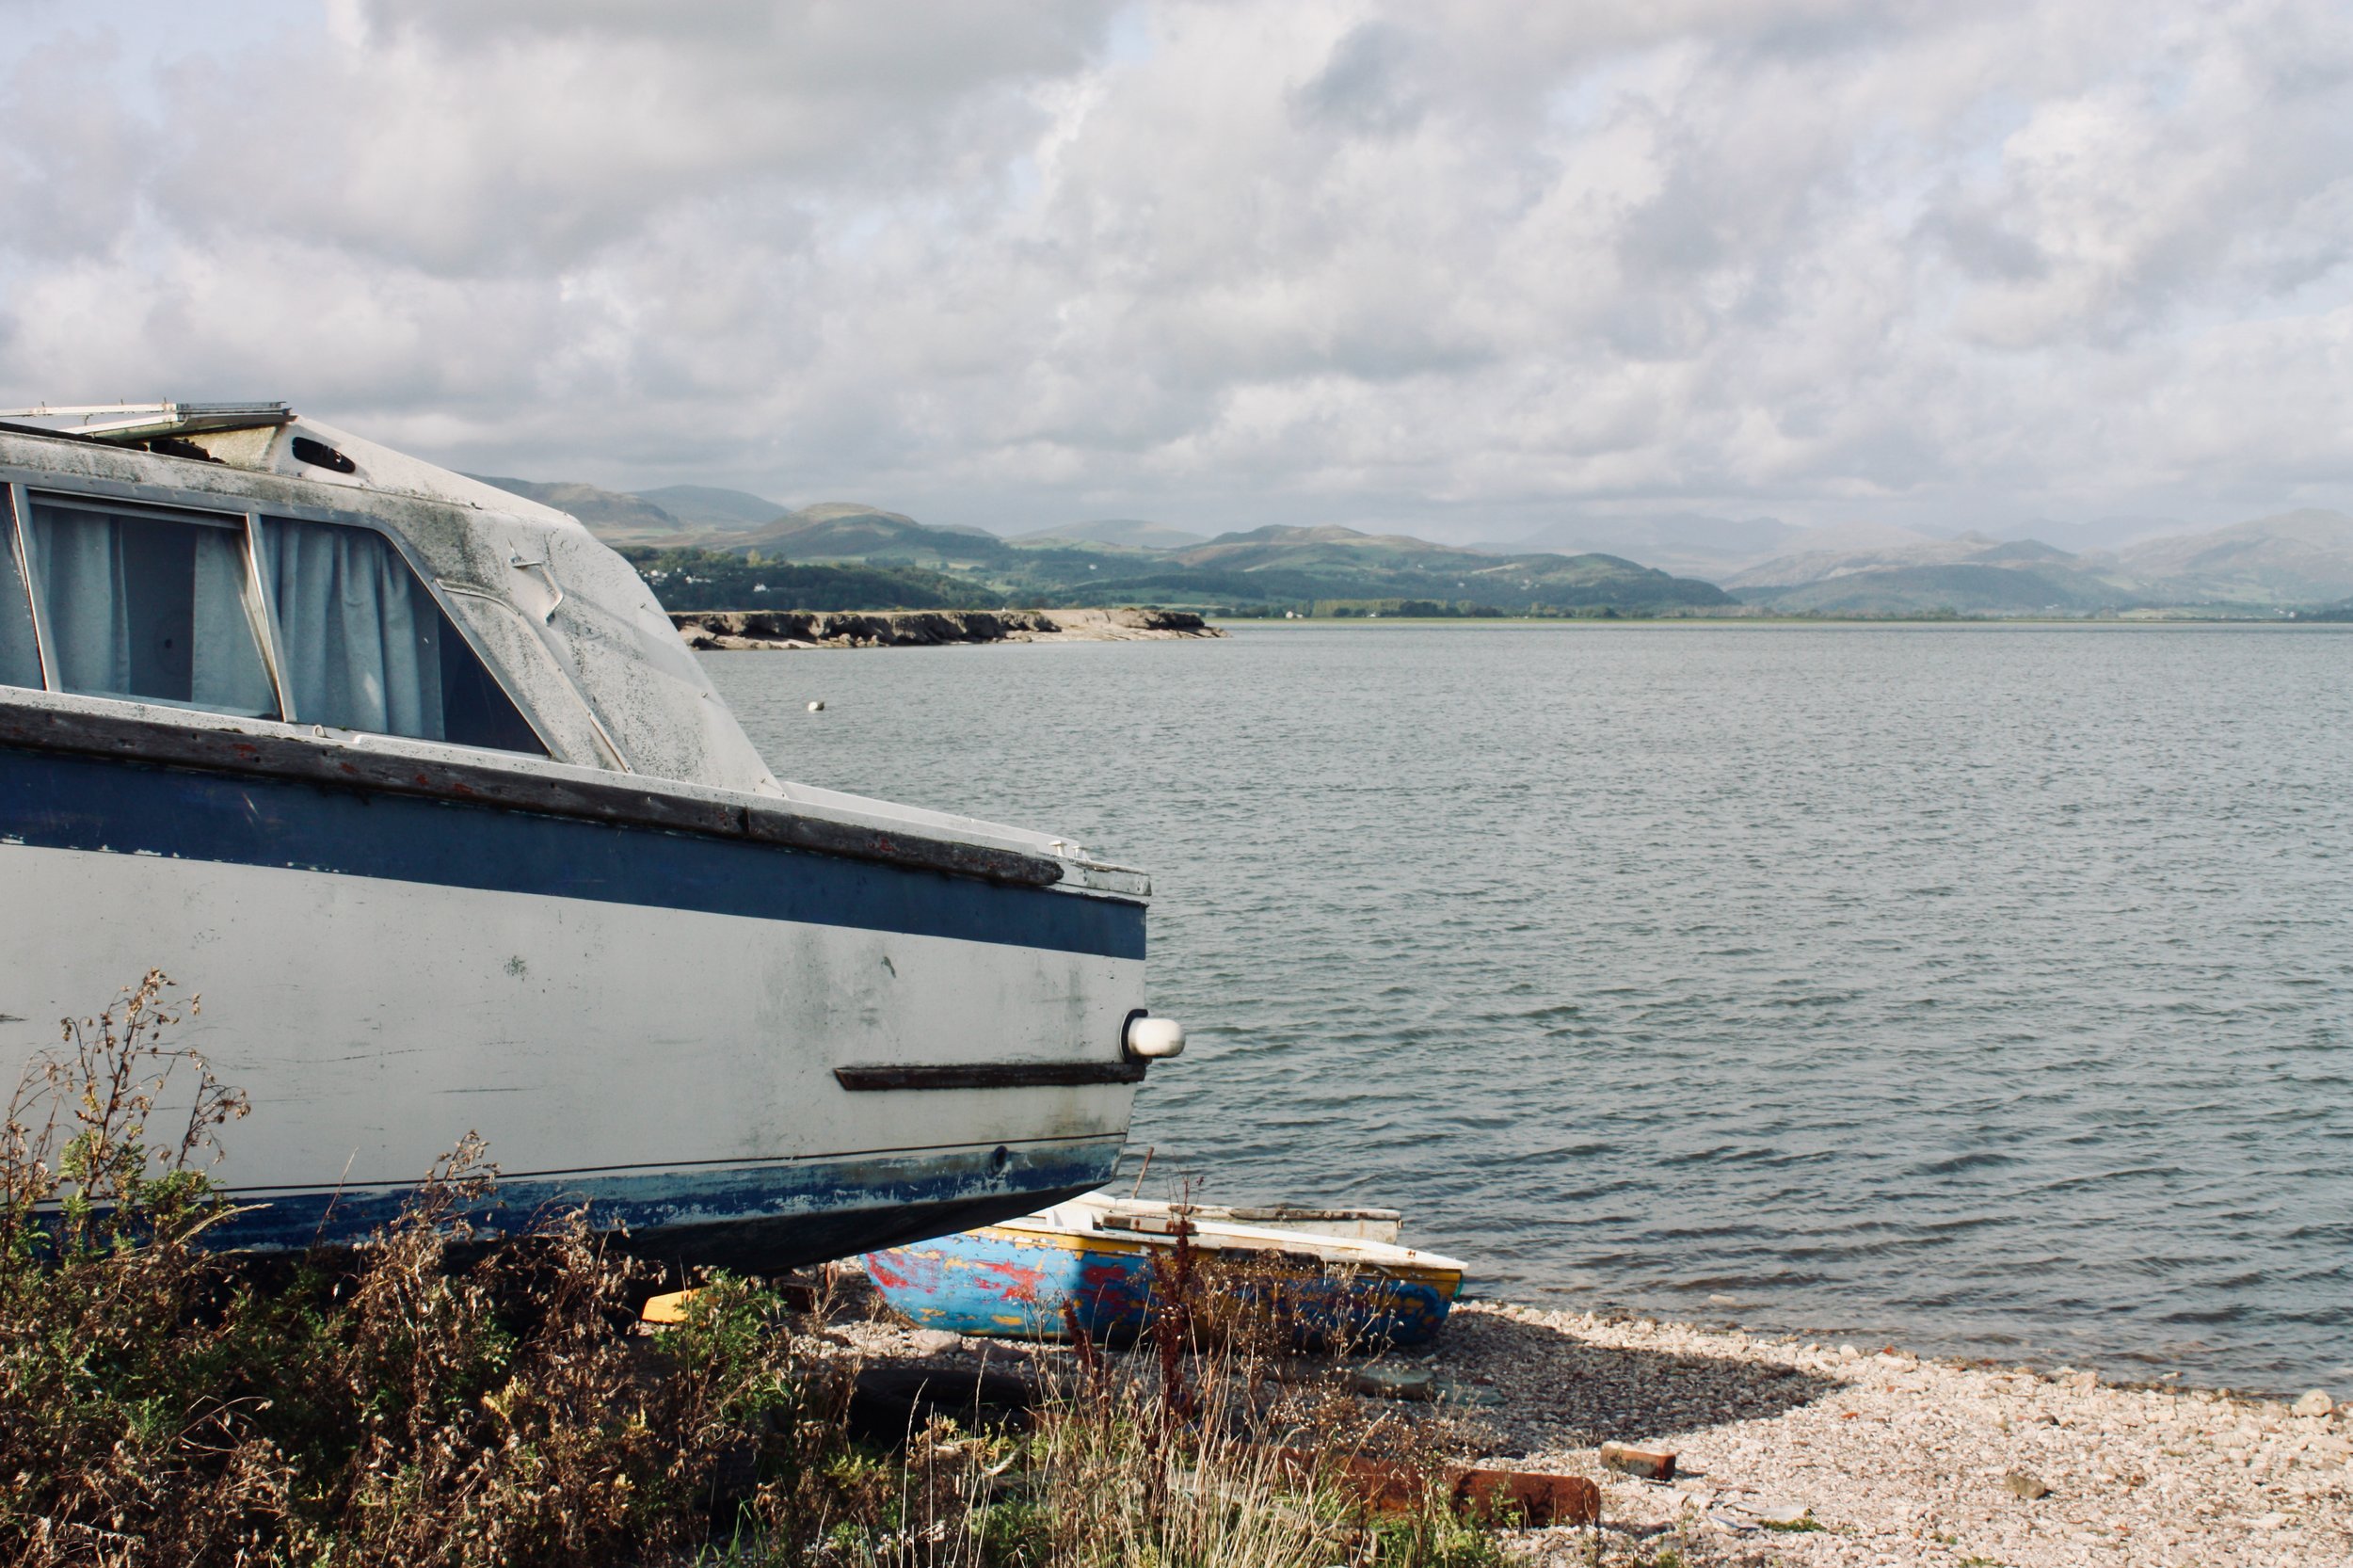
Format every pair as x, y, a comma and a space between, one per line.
70, 179
1367, 84
472, 139
1371, 263
1980, 245
1680, 230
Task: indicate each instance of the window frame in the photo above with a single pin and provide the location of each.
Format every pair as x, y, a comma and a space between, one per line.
17, 533
245, 515
258, 619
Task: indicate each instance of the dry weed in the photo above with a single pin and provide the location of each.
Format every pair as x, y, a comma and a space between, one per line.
389, 1405
426, 1400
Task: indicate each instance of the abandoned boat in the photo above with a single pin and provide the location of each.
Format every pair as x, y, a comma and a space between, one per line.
412, 781
1105, 1264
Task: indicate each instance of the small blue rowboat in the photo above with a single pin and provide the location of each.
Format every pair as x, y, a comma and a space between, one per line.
1092, 1260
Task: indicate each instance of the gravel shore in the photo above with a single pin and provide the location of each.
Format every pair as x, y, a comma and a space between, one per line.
1805, 1454
1898, 1459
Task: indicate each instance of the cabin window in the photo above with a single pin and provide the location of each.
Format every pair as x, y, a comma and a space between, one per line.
362, 643
150, 607
20, 654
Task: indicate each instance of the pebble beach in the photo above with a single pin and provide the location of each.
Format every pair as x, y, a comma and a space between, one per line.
1892, 1458
1799, 1453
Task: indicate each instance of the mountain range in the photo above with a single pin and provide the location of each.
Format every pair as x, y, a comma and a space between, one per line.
1132, 531
2295, 557
612, 516
709, 507
1689, 543
2285, 561
1972, 575
1685, 561
1336, 570
706, 548
709, 515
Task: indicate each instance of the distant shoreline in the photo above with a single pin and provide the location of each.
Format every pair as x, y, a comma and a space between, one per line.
1620, 623
776, 630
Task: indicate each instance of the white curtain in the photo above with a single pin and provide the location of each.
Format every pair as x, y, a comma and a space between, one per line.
85, 596
358, 636
150, 609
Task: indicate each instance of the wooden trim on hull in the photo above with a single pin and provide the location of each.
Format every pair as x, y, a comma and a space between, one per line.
358, 767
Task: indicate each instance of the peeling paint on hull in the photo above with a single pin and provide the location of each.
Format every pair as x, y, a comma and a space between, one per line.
768, 1216
997, 1280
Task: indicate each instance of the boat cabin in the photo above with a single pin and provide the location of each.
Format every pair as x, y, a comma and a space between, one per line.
238, 560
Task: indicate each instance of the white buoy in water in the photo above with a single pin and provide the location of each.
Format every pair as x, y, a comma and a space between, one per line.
817, 707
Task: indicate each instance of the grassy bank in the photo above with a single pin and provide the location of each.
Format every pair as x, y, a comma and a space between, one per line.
422, 1400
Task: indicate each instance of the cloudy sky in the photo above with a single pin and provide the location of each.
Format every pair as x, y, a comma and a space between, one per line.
1463, 269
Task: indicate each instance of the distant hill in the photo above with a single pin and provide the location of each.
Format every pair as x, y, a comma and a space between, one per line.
610, 515
1876, 570
1692, 544
1638, 564
1810, 554
1818, 554
843, 511
2292, 558
708, 507
1132, 533
1341, 571
1970, 588
700, 578
1328, 544
2108, 533
1335, 563
707, 515
849, 511
848, 531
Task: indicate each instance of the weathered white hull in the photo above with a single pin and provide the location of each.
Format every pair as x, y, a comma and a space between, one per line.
412, 780
673, 1064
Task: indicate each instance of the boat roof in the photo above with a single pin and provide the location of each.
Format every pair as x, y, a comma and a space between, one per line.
576, 633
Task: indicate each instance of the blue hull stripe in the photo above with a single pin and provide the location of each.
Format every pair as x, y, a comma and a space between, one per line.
57, 800
801, 1211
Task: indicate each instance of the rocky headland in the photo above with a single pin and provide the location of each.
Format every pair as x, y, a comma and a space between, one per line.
715, 629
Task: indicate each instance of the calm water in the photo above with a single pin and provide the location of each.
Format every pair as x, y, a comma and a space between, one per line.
1985, 988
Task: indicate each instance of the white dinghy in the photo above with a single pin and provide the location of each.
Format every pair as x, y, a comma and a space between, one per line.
414, 781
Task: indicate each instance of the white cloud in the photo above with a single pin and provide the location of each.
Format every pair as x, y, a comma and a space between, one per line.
1460, 269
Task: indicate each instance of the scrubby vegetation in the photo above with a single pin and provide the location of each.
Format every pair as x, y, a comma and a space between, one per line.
426, 1401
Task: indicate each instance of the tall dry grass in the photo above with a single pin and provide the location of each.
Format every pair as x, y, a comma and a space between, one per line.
422, 1400
1230, 1467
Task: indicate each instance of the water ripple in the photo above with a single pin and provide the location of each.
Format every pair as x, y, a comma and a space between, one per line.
1987, 988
